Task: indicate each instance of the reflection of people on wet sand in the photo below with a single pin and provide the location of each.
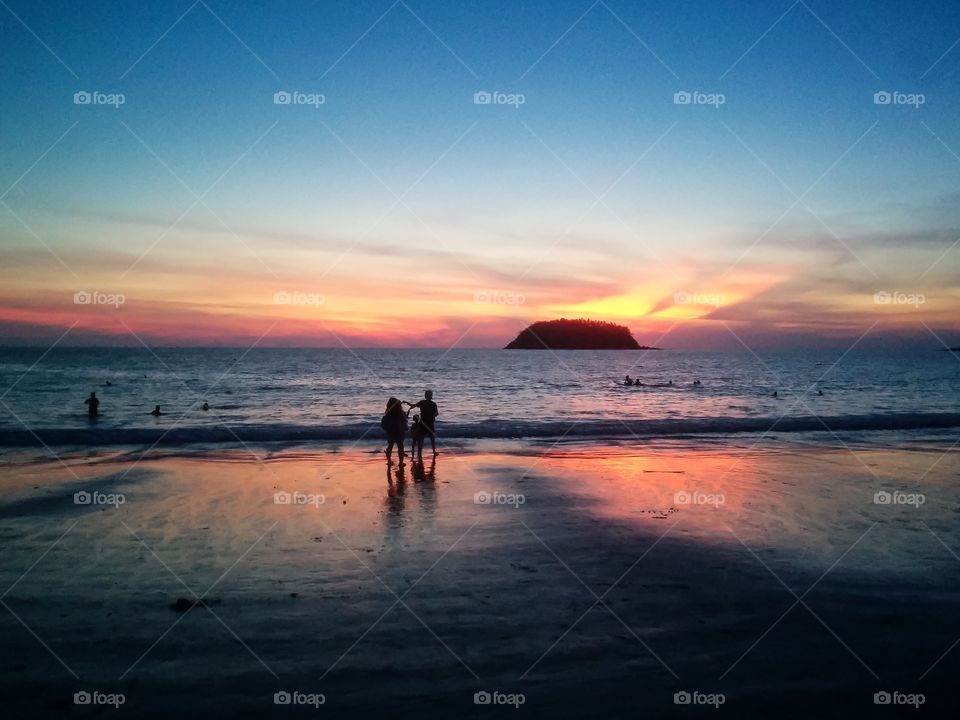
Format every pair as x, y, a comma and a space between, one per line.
395, 490
92, 404
423, 474
428, 417
394, 424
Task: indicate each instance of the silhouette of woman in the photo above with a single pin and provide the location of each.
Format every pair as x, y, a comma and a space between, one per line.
394, 424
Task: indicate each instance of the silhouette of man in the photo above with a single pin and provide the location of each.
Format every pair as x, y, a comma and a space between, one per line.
92, 404
428, 417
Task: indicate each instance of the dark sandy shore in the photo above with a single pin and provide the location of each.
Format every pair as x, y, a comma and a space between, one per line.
786, 590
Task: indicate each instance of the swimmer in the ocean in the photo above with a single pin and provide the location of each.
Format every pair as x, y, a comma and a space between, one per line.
775, 393
627, 380
638, 383
156, 411
819, 392
92, 404
206, 405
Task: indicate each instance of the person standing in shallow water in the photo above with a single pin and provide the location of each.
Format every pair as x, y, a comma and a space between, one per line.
394, 424
93, 405
428, 417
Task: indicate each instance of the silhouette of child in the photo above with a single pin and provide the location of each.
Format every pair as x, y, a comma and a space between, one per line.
417, 432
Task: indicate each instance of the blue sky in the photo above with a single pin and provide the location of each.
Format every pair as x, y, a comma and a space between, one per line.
696, 186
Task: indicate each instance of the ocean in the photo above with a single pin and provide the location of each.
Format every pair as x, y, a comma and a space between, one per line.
272, 394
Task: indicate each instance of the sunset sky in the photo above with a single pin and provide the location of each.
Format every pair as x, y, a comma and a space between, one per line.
401, 213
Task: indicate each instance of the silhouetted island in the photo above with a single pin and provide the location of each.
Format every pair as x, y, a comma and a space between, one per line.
575, 335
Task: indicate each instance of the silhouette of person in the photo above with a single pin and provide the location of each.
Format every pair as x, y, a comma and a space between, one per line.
428, 417
627, 380
156, 411
417, 433
394, 424
206, 405
93, 405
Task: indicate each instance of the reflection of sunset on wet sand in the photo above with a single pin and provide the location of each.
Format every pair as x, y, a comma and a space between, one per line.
520, 569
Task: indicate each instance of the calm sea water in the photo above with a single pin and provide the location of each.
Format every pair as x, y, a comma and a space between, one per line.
318, 393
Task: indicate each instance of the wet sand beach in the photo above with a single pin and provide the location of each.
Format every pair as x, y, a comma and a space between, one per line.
580, 580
